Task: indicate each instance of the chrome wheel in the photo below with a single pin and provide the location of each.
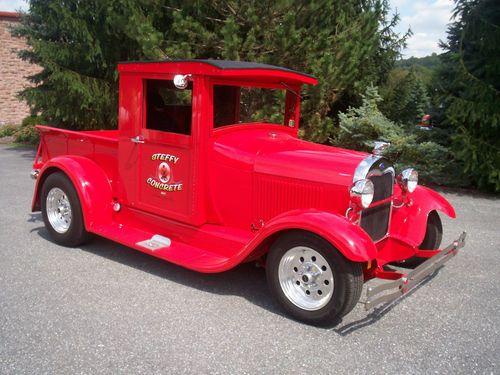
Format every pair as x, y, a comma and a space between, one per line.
306, 278
58, 210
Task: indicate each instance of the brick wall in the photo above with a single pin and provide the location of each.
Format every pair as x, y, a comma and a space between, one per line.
12, 73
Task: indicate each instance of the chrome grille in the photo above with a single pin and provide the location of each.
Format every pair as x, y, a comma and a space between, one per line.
383, 186
375, 220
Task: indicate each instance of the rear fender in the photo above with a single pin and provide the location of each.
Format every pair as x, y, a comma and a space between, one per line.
348, 238
91, 184
409, 222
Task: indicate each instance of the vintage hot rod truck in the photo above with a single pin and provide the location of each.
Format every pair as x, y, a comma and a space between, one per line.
206, 171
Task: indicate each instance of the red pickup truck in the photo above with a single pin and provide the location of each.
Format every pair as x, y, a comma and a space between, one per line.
206, 171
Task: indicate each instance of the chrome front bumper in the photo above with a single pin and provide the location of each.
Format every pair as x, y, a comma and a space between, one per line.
394, 289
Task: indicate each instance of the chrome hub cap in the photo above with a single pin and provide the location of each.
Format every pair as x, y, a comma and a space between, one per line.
306, 278
58, 210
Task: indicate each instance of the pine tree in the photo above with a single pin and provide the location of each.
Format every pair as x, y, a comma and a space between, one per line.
406, 97
347, 44
470, 85
78, 43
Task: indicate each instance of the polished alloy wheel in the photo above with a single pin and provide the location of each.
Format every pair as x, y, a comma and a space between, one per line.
58, 210
306, 278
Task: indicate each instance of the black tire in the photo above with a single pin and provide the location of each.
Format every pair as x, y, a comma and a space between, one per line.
432, 240
347, 279
75, 233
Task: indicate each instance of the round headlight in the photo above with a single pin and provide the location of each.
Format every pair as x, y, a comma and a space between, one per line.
408, 180
362, 193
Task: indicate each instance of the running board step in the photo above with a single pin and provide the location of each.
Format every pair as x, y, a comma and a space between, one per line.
156, 242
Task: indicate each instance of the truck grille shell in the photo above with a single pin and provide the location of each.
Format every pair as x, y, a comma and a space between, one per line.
375, 220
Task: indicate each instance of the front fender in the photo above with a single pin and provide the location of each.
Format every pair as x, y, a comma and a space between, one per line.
91, 183
348, 238
409, 222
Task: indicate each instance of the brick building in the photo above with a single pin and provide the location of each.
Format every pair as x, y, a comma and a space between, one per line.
13, 72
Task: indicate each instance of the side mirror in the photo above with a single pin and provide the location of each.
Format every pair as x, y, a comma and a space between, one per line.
181, 81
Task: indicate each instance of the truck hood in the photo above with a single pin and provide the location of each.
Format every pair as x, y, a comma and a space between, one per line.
281, 154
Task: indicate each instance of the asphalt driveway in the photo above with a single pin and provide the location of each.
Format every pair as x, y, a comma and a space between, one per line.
104, 308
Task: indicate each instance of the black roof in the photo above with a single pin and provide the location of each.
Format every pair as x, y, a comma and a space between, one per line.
235, 65
228, 65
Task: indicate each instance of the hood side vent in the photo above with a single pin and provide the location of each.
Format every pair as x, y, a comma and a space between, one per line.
275, 195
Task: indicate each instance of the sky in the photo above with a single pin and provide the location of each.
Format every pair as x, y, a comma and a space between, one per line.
428, 21
426, 18
12, 5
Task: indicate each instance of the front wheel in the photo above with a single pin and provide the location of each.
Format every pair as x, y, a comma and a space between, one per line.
432, 239
61, 211
311, 280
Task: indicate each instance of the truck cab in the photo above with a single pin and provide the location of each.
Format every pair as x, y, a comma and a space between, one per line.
170, 162
207, 171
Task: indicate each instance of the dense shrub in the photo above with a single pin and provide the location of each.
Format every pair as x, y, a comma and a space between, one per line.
361, 127
8, 130
27, 134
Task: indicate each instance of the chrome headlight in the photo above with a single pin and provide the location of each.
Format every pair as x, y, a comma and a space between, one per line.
408, 180
362, 193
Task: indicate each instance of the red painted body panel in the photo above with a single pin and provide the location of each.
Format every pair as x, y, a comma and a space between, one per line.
98, 145
347, 237
265, 162
91, 183
242, 185
408, 222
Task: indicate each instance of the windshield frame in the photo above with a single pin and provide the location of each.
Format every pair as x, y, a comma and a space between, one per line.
292, 98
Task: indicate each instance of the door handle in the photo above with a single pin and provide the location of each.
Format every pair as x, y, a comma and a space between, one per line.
137, 139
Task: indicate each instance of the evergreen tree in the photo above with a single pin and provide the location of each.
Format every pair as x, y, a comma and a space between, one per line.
78, 43
469, 82
347, 44
431, 62
406, 97
419, 103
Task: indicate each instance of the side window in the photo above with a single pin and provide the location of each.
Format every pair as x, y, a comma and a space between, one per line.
168, 108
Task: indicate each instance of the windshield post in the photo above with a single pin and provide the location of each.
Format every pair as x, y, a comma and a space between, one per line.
292, 108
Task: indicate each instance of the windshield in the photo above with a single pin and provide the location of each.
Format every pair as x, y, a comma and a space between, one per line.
241, 105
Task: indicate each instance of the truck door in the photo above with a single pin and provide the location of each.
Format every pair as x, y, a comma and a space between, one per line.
163, 144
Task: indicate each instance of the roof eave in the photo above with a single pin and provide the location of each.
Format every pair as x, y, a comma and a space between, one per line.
204, 68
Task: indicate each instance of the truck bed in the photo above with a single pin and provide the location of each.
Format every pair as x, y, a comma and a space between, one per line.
98, 145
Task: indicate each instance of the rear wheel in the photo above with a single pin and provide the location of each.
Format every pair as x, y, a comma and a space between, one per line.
61, 211
311, 280
432, 239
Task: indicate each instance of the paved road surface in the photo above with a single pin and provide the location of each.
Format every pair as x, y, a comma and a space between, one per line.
104, 308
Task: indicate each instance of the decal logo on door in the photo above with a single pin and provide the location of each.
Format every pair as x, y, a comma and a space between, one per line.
164, 173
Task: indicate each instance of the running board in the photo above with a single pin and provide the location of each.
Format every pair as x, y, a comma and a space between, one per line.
171, 249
